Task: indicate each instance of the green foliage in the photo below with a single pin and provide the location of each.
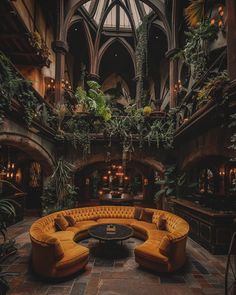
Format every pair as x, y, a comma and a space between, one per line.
14, 87
233, 137
40, 46
78, 132
59, 193
4, 285
7, 212
141, 55
162, 133
94, 100
173, 184
195, 50
134, 126
213, 86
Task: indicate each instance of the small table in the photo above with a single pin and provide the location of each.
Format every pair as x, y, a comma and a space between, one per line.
111, 232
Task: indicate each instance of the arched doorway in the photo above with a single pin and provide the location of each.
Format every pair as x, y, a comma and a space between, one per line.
135, 179
24, 165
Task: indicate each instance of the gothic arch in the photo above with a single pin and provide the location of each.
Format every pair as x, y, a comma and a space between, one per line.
107, 44
157, 6
31, 147
76, 19
100, 157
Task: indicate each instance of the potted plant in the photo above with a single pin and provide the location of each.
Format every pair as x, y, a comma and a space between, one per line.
172, 186
93, 101
7, 212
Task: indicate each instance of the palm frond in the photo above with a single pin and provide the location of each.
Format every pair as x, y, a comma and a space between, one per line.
195, 12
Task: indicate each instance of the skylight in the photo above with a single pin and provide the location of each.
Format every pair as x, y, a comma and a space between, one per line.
117, 16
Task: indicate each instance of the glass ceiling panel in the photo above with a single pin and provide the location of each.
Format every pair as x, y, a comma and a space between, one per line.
124, 20
111, 19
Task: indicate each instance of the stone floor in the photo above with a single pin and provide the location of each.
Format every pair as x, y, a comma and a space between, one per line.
104, 275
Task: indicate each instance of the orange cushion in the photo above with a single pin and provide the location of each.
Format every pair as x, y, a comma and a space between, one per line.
61, 223
165, 246
70, 219
138, 213
161, 223
147, 216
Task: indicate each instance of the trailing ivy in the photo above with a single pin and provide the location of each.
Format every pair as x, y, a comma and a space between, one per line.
12, 86
195, 51
59, 193
141, 54
214, 86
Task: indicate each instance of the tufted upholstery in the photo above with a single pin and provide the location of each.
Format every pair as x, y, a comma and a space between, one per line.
56, 254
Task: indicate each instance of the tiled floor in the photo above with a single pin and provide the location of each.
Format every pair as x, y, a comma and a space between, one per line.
202, 274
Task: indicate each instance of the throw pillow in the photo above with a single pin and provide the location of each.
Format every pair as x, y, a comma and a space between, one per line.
70, 219
161, 223
138, 213
165, 246
147, 216
61, 223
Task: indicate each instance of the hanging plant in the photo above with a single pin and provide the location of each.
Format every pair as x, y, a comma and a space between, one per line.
40, 46
214, 86
141, 54
59, 192
12, 86
195, 51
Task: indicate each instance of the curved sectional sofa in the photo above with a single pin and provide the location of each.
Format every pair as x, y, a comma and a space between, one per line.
57, 254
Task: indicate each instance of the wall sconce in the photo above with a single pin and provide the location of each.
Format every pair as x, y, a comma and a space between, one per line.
222, 172
219, 19
145, 182
178, 86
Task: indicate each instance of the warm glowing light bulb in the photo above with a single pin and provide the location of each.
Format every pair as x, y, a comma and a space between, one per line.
222, 13
212, 22
220, 23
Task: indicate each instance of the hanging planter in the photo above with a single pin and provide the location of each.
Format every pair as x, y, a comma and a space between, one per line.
40, 47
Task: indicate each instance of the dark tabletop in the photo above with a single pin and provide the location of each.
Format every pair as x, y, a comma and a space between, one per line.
122, 232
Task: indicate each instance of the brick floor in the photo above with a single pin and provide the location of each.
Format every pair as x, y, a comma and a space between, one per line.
202, 274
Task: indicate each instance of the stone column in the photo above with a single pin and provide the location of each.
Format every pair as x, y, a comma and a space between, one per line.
231, 37
60, 48
173, 75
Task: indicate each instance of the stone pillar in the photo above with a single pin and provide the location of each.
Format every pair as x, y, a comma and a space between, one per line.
173, 75
60, 48
231, 37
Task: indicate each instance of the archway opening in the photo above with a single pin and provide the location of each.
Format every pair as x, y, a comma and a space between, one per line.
21, 178
117, 183
117, 60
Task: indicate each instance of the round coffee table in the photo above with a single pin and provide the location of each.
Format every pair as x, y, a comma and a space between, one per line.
111, 232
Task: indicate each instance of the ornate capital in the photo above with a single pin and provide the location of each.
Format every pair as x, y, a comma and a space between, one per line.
170, 53
60, 47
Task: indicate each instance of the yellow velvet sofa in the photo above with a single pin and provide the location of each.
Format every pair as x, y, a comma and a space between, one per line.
57, 254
